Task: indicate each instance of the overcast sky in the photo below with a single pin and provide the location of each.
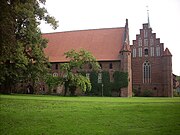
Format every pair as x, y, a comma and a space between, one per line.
91, 14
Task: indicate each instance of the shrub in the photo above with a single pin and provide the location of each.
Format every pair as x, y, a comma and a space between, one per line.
147, 93
175, 93
120, 80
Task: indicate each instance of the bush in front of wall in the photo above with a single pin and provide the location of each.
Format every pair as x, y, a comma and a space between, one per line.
120, 80
107, 85
147, 93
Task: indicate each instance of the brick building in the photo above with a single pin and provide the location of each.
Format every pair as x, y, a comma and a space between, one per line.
110, 46
151, 65
151, 68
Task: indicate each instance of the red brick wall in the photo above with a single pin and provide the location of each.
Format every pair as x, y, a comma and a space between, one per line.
161, 68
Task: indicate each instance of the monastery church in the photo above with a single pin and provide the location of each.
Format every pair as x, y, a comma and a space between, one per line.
148, 64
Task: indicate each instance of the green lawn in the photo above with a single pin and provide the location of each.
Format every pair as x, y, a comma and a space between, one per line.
50, 115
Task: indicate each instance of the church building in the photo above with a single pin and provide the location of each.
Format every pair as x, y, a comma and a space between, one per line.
148, 65
151, 65
110, 46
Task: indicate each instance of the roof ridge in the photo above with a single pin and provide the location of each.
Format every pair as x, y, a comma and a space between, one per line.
83, 30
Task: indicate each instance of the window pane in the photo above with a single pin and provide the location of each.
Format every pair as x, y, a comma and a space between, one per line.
134, 52
146, 72
151, 41
110, 66
140, 52
140, 42
145, 42
152, 51
99, 77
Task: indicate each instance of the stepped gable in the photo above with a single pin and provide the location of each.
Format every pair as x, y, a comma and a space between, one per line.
167, 52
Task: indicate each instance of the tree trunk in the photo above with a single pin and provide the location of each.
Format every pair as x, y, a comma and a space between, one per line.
72, 90
66, 86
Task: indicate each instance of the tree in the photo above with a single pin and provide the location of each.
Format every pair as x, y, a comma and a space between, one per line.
52, 82
21, 47
72, 75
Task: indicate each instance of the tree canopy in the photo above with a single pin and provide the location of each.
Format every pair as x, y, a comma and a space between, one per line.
72, 71
21, 47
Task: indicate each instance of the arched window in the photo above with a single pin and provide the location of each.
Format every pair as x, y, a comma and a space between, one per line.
55, 74
146, 51
146, 72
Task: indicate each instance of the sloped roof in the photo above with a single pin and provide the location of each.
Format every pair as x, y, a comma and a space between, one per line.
104, 44
167, 52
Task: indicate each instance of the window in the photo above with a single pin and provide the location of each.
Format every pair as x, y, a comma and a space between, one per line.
151, 41
145, 42
146, 72
134, 52
88, 75
157, 51
145, 33
152, 51
139, 42
99, 77
140, 52
100, 65
146, 51
56, 66
110, 66
55, 74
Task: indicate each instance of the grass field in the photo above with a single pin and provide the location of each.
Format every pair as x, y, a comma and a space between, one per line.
50, 115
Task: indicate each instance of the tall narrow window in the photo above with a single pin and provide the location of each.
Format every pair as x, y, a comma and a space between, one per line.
56, 66
140, 52
110, 66
134, 52
99, 77
139, 42
145, 33
146, 51
146, 72
158, 51
152, 51
145, 42
151, 41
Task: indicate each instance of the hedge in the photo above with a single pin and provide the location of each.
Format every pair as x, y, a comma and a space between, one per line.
120, 81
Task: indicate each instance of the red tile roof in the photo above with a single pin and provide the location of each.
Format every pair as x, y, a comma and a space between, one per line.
104, 44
